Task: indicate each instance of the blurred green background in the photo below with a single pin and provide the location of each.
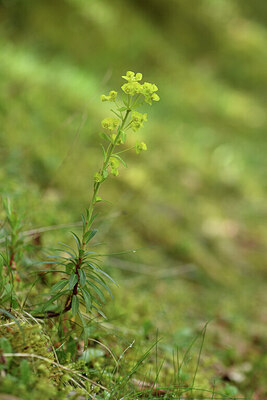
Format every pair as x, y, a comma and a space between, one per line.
195, 201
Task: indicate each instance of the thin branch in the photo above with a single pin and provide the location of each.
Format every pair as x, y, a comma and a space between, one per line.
30, 355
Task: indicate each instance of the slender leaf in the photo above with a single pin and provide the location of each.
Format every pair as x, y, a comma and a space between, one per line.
89, 235
120, 159
105, 136
58, 286
86, 330
92, 266
64, 257
97, 290
81, 253
103, 150
77, 240
73, 280
118, 115
75, 305
69, 268
106, 275
87, 299
102, 283
82, 276
84, 222
53, 298
99, 312
65, 245
95, 300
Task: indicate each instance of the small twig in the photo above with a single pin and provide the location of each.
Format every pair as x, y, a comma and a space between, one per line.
30, 316
54, 314
29, 355
107, 348
121, 356
9, 323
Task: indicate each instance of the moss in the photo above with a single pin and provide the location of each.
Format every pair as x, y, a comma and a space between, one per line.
32, 378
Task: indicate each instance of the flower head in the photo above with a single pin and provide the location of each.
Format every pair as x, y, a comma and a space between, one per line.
98, 178
114, 164
112, 96
103, 97
148, 90
140, 146
137, 120
133, 87
132, 77
110, 123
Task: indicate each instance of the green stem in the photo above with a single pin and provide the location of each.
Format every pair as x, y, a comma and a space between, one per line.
88, 221
105, 165
135, 102
123, 151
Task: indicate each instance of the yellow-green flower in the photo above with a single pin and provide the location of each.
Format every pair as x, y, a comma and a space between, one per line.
114, 162
110, 123
148, 90
140, 146
115, 171
131, 88
104, 97
112, 96
98, 177
137, 120
131, 77
155, 97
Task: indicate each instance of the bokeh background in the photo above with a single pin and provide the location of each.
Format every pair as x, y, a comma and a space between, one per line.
194, 203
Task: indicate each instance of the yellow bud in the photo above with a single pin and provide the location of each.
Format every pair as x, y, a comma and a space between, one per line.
104, 98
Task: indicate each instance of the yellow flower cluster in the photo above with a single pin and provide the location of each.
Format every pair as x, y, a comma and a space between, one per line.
112, 96
132, 77
116, 128
133, 87
110, 123
148, 90
137, 120
139, 147
114, 164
